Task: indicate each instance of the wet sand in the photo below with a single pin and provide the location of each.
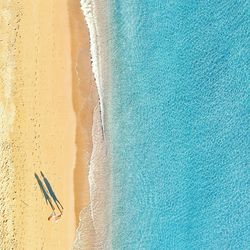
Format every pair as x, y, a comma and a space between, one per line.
84, 101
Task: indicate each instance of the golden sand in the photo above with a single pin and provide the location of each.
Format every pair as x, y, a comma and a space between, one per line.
50, 97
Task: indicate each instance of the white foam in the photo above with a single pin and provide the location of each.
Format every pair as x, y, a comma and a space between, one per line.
96, 19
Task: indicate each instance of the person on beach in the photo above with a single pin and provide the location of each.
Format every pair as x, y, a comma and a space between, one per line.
54, 218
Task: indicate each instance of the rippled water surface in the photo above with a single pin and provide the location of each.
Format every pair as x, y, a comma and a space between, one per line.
178, 124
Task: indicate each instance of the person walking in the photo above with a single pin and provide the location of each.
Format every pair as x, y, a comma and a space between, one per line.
54, 218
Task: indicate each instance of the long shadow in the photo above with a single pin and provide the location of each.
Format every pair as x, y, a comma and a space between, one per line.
44, 192
52, 193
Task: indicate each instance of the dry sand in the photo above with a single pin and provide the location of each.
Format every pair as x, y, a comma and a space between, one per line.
51, 98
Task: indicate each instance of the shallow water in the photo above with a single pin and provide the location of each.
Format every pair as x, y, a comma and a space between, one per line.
178, 124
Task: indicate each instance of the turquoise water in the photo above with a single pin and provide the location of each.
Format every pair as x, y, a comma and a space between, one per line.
178, 124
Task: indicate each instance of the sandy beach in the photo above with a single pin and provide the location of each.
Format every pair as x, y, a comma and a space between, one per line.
47, 106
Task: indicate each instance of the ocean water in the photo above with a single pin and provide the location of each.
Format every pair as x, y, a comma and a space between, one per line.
177, 124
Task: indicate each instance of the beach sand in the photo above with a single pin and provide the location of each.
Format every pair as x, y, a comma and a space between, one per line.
47, 108
85, 99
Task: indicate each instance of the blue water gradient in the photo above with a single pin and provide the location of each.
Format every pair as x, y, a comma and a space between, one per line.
178, 124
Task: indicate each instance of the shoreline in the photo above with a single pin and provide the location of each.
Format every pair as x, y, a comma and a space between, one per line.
96, 20
94, 227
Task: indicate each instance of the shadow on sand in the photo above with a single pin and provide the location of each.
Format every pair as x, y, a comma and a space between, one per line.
52, 193
44, 192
